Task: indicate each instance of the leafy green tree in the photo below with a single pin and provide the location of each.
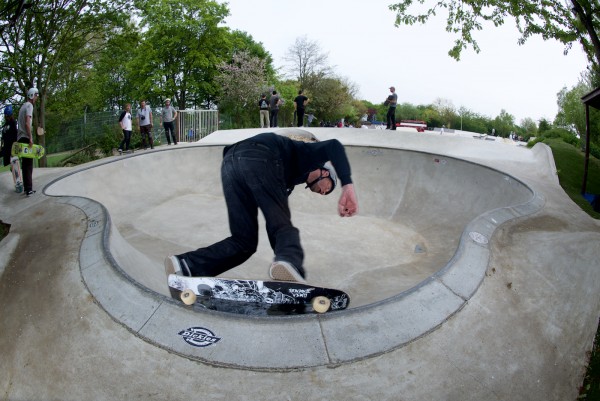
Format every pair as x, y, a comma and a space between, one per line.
527, 128
331, 99
49, 43
571, 111
182, 45
567, 21
446, 111
242, 81
504, 124
544, 125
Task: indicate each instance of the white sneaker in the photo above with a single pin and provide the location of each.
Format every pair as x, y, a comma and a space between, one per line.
285, 271
174, 265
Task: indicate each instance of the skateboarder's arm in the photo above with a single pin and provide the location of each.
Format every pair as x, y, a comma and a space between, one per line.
348, 203
28, 130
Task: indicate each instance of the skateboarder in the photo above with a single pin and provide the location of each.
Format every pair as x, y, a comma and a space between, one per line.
260, 173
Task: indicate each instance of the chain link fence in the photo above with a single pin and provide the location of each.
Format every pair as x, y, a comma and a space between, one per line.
102, 128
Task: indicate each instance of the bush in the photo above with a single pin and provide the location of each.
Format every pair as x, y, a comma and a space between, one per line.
557, 133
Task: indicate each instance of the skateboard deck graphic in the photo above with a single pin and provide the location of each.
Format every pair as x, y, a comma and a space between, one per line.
256, 297
24, 150
16, 173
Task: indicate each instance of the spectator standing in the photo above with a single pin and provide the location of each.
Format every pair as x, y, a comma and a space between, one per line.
126, 125
391, 101
168, 116
300, 106
144, 121
25, 135
263, 105
9, 133
274, 103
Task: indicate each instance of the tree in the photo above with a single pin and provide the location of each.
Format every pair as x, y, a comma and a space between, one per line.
51, 40
305, 60
571, 111
528, 128
504, 123
446, 111
330, 99
567, 21
242, 81
182, 45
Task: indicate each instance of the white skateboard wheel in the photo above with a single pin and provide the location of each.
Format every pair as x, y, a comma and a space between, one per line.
188, 297
321, 304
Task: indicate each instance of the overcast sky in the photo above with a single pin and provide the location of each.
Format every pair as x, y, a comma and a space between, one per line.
365, 47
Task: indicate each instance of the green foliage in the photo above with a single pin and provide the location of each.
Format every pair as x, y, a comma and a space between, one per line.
568, 22
179, 52
570, 163
110, 139
556, 133
242, 80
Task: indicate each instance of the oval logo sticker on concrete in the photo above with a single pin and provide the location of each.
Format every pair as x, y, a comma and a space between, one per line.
199, 337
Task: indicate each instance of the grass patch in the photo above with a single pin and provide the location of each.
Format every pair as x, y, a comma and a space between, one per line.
569, 162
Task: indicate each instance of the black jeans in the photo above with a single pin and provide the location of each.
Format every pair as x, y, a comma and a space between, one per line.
146, 132
273, 118
300, 117
126, 140
391, 118
253, 178
27, 169
170, 132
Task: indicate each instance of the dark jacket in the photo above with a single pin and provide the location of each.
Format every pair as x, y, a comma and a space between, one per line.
300, 158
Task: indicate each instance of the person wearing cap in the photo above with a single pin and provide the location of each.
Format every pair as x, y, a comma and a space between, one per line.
391, 101
9, 133
168, 116
260, 173
25, 135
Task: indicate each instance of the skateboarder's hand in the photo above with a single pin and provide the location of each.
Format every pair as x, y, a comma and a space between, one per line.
348, 204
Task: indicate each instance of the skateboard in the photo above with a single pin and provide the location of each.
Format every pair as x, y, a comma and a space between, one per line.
255, 297
125, 152
24, 150
15, 167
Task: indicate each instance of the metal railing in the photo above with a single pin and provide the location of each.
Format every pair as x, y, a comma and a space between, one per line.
193, 125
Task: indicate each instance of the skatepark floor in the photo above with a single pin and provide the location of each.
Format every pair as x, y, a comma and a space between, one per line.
437, 313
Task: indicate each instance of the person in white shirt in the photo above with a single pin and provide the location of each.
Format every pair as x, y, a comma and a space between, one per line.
126, 125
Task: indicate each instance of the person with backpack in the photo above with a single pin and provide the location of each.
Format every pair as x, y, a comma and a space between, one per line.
263, 106
9, 133
125, 123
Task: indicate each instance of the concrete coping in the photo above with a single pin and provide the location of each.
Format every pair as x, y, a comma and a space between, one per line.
282, 343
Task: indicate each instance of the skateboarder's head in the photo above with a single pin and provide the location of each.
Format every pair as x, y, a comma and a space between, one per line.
8, 110
318, 182
32, 94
